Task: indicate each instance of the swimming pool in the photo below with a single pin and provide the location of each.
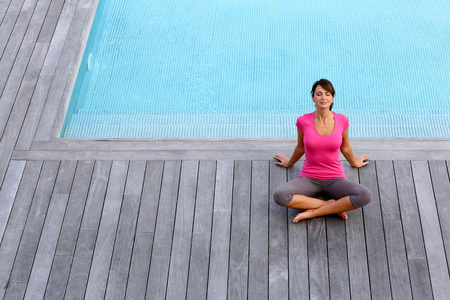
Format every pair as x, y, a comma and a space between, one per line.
244, 69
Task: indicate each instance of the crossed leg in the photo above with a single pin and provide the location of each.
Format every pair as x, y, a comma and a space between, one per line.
322, 208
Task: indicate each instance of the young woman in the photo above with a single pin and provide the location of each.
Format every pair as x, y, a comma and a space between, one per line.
321, 135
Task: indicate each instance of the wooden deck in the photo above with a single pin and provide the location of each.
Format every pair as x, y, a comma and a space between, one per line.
191, 219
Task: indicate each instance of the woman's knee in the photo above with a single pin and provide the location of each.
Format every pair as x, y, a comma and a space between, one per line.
363, 197
282, 197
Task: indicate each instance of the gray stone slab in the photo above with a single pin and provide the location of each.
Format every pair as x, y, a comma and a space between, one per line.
47, 246
375, 240
220, 239
439, 275
160, 259
182, 236
356, 246
104, 246
201, 236
258, 277
240, 224
278, 239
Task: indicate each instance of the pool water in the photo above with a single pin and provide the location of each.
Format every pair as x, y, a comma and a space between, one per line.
244, 69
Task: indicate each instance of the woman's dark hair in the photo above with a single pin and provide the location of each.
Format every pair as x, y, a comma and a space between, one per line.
327, 86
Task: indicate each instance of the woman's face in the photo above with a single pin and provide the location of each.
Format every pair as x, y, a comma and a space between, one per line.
322, 98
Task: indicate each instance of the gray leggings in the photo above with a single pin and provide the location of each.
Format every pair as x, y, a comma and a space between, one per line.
335, 188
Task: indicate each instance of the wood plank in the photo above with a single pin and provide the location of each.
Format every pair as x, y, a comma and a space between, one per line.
51, 21
75, 207
201, 235
4, 4
298, 248
58, 277
278, 239
415, 249
16, 57
395, 246
123, 248
64, 180
101, 261
135, 178
258, 280
376, 244
126, 231
36, 105
8, 192
220, 239
33, 228
441, 188
160, 258
80, 266
47, 247
143, 244
62, 74
8, 23
96, 196
337, 258
317, 256
16, 290
439, 275
17, 220
8, 250
240, 224
356, 246
79, 272
19, 95
182, 236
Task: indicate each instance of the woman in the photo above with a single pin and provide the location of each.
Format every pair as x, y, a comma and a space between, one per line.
321, 134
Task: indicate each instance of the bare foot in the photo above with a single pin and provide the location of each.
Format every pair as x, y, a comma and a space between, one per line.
307, 214
303, 216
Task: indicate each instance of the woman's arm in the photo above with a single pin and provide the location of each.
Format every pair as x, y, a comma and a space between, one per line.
347, 150
298, 153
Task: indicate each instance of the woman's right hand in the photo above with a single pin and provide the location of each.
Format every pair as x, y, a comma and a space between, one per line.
284, 161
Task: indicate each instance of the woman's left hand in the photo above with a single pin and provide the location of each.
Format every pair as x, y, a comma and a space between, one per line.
361, 161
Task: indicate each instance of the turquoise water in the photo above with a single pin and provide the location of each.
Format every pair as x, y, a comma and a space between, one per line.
244, 69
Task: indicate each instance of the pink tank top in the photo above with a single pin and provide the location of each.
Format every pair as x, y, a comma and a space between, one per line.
322, 152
